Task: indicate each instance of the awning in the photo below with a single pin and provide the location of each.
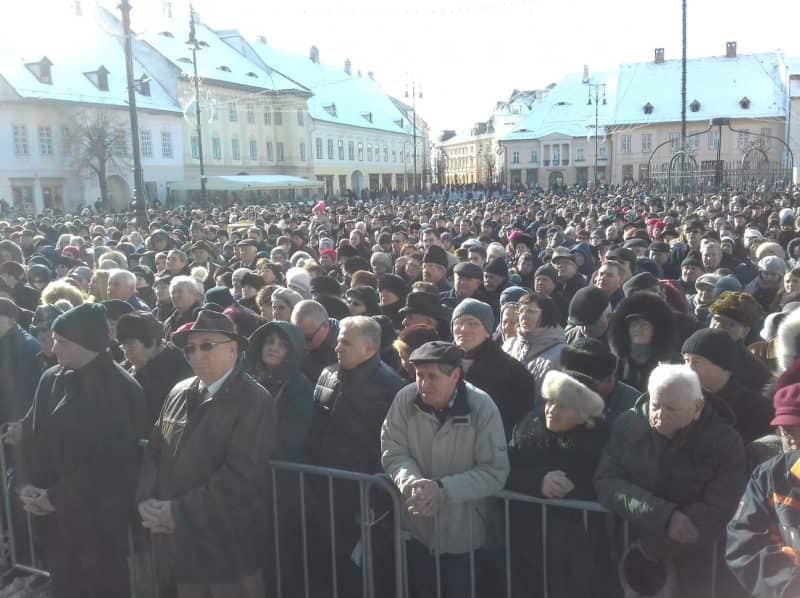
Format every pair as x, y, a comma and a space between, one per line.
264, 182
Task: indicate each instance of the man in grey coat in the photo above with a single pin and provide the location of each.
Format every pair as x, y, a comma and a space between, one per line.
444, 447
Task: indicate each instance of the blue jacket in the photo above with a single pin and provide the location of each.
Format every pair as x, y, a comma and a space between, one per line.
20, 369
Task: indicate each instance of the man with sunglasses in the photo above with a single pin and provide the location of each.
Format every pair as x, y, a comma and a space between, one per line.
202, 489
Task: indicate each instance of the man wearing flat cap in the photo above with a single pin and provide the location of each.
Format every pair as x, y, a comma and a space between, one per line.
467, 283
444, 448
80, 452
202, 489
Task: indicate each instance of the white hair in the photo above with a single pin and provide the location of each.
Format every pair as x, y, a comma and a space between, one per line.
495, 250
188, 282
128, 277
199, 273
311, 310
366, 327
670, 375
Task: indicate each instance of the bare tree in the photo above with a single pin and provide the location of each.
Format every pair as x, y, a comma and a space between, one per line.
97, 143
490, 160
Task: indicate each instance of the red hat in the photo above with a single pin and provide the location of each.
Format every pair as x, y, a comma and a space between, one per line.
331, 253
787, 406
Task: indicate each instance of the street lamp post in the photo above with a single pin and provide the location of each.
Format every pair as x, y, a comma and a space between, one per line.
414, 125
195, 46
140, 199
596, 87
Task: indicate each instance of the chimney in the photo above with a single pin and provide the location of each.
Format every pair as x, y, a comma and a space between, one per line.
585, 73
348, 66
371, 75
313, 54
262, 39
730, 50
659, 56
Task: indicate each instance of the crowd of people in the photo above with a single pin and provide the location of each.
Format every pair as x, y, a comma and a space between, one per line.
610, 346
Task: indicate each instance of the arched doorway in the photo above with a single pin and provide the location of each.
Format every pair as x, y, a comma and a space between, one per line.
119, 193
357, 182
556, 180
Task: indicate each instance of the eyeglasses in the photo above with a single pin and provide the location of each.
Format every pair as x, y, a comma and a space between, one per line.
310, 337
204, 347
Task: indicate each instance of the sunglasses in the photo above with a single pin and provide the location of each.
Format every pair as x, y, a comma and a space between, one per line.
204, 347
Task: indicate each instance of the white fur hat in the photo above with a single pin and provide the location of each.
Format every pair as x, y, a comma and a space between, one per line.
787, 342
568, 392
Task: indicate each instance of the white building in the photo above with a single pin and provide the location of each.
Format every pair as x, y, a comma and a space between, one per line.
45, 81
793, 130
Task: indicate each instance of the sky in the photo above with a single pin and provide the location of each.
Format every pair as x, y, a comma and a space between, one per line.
465, 55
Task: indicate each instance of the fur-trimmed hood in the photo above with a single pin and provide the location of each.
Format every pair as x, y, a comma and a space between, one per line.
656, 311
787, 342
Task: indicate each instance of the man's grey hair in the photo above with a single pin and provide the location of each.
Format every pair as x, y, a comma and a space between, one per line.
679, 377
379, 257
187, 282
366, 327
310, 310
183, 257
126, 276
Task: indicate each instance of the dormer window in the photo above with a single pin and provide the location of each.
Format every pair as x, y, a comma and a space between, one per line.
167, 34
367, 115
648, 108
399, 123
694, 106
744, 103
203, 44
331, 109
41, 70
143, 85
99, 78
224, 69
252, 74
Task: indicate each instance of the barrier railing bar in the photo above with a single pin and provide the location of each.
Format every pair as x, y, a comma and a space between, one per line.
12, 544
279, 585
544, 550
304, 533
334, 579
507, 515
471, 556
362, 526
436, 555
30, 539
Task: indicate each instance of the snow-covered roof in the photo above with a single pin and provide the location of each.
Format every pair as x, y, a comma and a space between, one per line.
216, 60
75, 57
337, 97
565, 111
716, 82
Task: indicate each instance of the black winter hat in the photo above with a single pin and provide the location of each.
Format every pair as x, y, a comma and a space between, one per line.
394, 284
587, 305
547, 270
641, 282
590, 357
84, 325
116, 308
715, 345
497, 266
435, 255
468, 270
325, 285
219, 295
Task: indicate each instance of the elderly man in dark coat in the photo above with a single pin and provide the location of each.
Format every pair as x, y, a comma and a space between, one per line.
202, 490
80, 454
674, 469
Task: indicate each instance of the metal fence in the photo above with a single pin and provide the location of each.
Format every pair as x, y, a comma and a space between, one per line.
317, 552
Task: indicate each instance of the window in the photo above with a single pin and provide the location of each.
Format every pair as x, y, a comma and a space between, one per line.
65, 140
693, 142
253, 149
270, 158
302, 152
394, 155
534, 156
369, 153
674, 141
515, 158
377, 154
267, 117
195, 147
233, 114
648, 108
627, 173
713, 140
579, 154
146, 140
300, 118
166, 145
385, 154
279, 150
330, 149
251, 114
360, 152
743, 135
340, 144
46, 140
351, 150
647, 142
694, 106
216, 148
21, 140
235, 150
765, 141
625, 144
278, 117
102, 79
319, 148
601, 155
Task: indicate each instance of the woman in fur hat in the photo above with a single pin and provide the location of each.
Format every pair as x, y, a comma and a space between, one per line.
641, 335
553, 455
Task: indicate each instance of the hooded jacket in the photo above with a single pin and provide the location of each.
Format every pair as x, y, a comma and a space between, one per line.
539, 351
293, 393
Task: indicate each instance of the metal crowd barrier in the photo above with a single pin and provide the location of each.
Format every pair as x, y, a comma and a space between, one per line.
324, 489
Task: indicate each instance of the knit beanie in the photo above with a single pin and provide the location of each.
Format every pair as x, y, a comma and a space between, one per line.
497, 266
84, 325
435, 255
220, 295
513, 294
715, 345
547, 270
477, 309
772, 264
288, 296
